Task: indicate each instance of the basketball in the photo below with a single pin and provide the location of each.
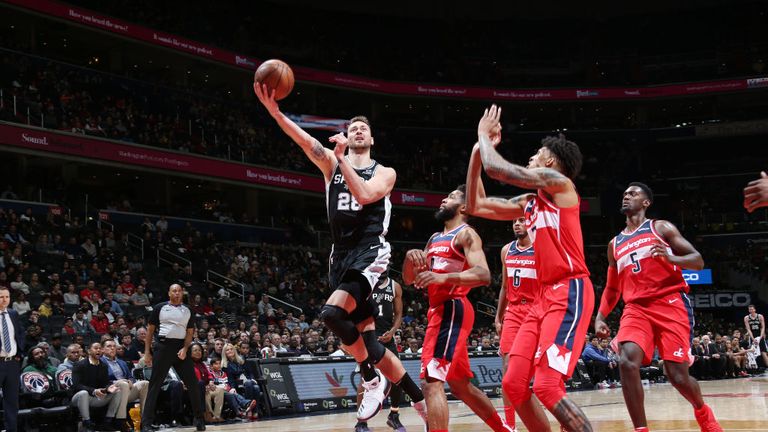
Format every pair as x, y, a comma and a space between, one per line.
277, 76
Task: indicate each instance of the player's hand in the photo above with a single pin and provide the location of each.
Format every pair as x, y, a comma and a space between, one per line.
182, 354
659, 251
341, 144
497, 324
148, 359
387, 336
489, 122
756, 193
267, 98
417, 258
601, 329
496, 134
427, 278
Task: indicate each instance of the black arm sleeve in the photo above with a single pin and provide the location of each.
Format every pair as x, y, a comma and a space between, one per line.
154, 318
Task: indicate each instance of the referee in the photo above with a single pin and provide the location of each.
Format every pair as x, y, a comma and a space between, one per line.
173, 321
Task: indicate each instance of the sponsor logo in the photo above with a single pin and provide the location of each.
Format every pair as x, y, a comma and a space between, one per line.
631, 92
739, 299
757, 82
586, 93
673, 300
678, 353
34, 140
556, 286
559, 358
240, 61
410, 198
336, 388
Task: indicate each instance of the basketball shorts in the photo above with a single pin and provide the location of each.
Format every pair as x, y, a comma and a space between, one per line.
513, 319
557, 325
666, 323
444, 355
357, 271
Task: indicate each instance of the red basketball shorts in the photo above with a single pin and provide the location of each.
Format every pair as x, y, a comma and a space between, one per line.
666, 323
444, 355
513, 319
557, 325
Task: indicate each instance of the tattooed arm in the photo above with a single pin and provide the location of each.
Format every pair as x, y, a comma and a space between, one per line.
489, 207
559, 187
321, 156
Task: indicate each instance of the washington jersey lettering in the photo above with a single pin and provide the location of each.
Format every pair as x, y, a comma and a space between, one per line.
556, 235
352, 224
443, 257
642, 276
521, 274
383, 297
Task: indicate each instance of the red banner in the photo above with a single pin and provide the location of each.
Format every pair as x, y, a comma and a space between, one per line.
135, 155
167, 40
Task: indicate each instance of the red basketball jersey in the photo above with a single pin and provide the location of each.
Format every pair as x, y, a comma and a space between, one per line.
443, 257
642, 276
521, 274
556, 235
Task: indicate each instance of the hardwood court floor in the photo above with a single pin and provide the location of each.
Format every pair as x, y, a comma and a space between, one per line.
739, 404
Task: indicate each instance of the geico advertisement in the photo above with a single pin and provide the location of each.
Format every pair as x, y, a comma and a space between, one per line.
339, 379
698, 277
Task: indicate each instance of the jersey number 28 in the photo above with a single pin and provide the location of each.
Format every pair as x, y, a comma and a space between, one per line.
346, 201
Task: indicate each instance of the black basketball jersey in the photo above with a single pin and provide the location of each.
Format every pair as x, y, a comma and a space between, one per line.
352, 224
754, 324
384, 298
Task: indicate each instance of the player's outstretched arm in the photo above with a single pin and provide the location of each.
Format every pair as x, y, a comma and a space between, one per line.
364, 191
685, 255
322, 157
502, 305
756, 193
480, 205
611, 296
476, 275
551, 181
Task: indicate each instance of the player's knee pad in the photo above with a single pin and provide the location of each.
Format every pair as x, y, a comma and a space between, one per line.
375, 349
549, 386
335, 318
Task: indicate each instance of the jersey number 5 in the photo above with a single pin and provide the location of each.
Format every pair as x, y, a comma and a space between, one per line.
346, 201
633, 258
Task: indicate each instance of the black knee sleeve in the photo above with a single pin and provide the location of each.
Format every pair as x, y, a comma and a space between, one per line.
375, 349
335, 318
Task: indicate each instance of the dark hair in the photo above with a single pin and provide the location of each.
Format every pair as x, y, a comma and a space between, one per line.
215, 359
463, 189
646, 190
567, 153
360, 118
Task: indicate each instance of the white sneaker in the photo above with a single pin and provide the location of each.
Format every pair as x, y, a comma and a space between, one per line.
506, 425
421, 410
374, 393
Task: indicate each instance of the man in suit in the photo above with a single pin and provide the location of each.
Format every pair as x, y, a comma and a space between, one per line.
712, 364
11, 349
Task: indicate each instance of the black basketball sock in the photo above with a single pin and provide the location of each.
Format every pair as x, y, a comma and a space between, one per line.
367, 370
410, 388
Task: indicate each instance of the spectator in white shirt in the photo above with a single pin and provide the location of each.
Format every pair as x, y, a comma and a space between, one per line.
21, 305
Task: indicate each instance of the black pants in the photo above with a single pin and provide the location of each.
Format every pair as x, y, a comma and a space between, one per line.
166, 356
9, 383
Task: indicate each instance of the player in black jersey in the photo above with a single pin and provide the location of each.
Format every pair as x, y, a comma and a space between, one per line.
358, 190
755, 325
387, 301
